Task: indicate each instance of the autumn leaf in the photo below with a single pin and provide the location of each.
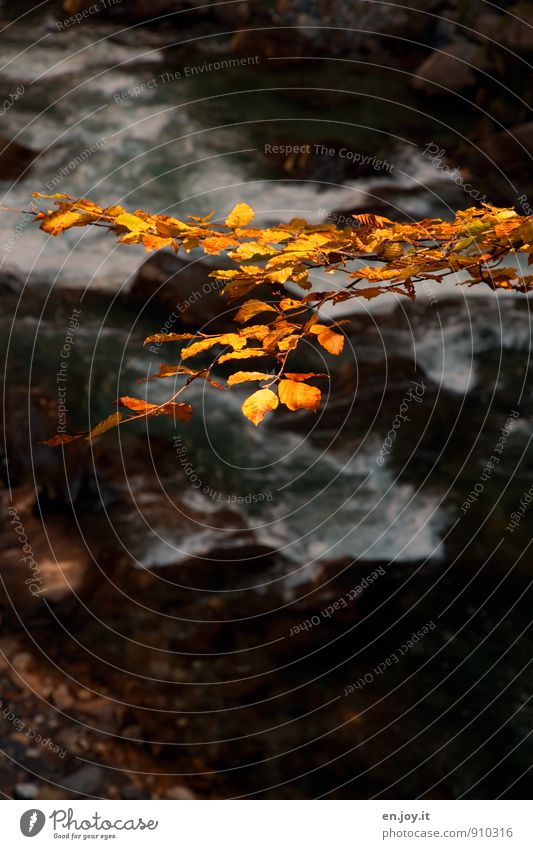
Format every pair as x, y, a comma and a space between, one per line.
106, 424
252, 308
332, 342
171, 408
232, 339
217, 244
240, 216
290, 304
132, 222
57, 222
299, 396
167, 337
243, 376
299, 377
245, 354
258, 405
61, 439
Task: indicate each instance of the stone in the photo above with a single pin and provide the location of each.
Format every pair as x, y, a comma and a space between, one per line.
451, 69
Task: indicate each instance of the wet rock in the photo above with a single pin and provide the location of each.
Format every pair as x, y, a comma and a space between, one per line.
451, 69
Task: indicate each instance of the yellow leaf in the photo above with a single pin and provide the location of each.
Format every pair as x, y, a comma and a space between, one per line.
243, 376
233, 339
132, 222
243, 355
252, 308
240, 216
252, 249
257, 405
289, 304
57, 222
299, 396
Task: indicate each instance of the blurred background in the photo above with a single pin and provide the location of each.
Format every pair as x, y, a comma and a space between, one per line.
326, 606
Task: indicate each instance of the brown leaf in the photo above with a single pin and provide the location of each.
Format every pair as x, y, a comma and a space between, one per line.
61, 439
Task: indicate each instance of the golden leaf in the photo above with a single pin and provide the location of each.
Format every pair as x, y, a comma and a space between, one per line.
243, 376
132, 222
258, 405
332, 342
243, 355
233, 339
240, 216
57, 222
252, 308
299, 396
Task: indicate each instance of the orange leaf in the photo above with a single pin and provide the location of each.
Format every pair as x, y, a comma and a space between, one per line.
243, 376
299, 377
299, 396
217, 244
106, 424
252, 308
332, 342
243, 355
257, 405
61, 439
